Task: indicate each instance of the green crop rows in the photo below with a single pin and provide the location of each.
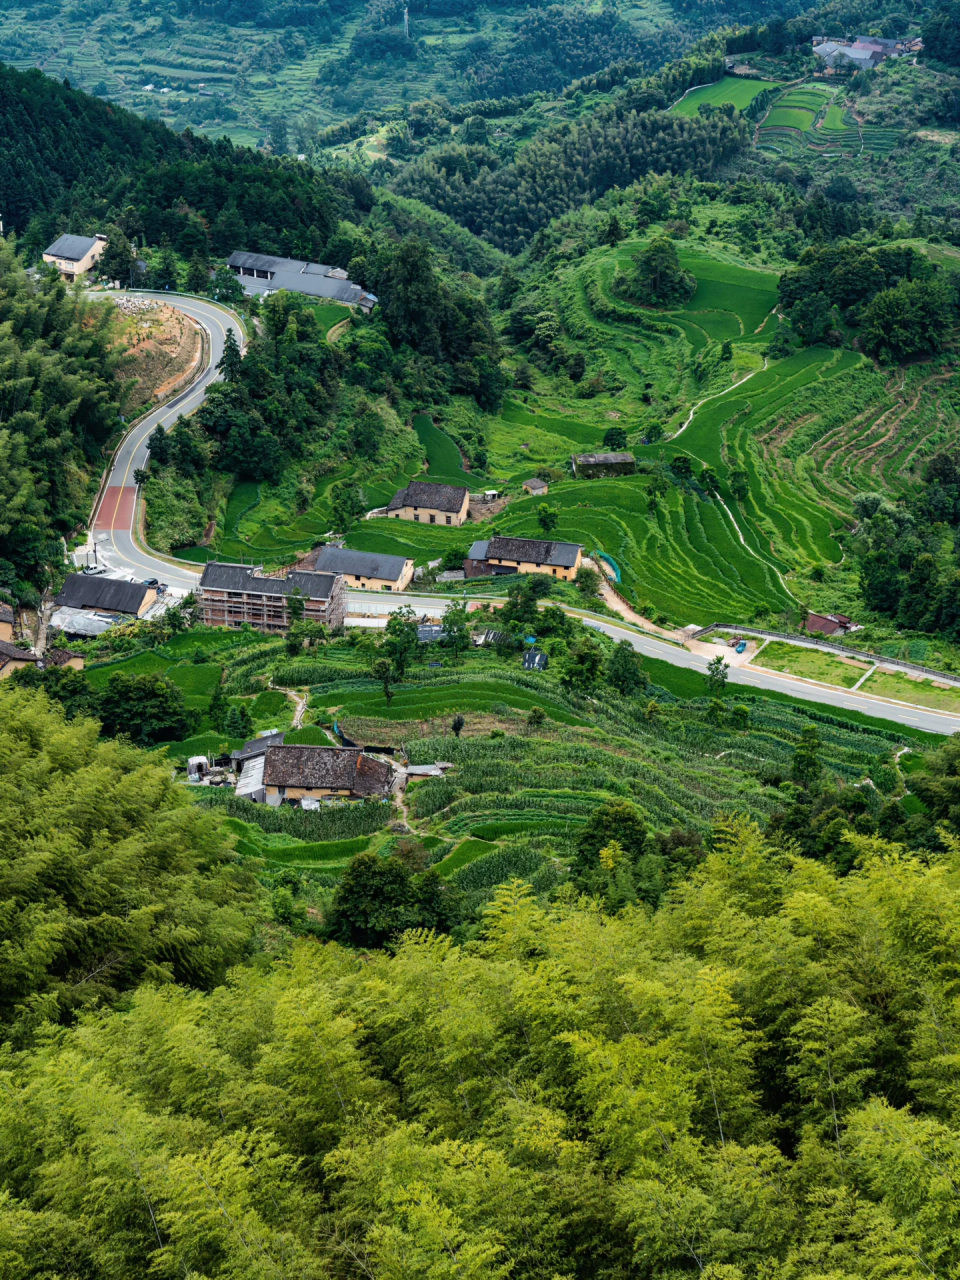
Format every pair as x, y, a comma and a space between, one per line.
425, 702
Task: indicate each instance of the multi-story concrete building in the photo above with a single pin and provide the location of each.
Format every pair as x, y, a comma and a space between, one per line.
233, 594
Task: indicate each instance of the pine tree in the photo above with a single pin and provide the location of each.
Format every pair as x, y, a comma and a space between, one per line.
217, 711
230, 363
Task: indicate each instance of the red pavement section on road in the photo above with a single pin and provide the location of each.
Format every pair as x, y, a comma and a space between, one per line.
116, 509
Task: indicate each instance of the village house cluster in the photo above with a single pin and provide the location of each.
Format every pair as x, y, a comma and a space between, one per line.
863, 53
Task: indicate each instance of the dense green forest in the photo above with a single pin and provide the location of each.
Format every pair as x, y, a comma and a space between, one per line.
279, 71
61, 387
754, 1079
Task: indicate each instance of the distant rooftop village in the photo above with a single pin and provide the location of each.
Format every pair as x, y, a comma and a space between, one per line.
864, 52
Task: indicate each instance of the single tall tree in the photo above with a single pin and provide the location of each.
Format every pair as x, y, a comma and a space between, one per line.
231, 361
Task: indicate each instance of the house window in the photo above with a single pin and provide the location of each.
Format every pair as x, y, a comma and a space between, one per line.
387, 587
417, 518
433, 519
448, 519
397, 516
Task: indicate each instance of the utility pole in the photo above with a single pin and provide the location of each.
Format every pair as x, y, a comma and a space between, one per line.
406, 23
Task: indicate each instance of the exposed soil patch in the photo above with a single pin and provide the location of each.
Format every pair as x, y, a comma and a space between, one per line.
162, 345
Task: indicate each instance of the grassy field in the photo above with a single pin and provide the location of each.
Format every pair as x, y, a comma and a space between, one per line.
330, 314
465, 852
789, 118
922, 693
780, 656
444, 463
741, 92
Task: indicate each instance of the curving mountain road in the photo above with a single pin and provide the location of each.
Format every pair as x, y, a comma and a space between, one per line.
116, 548
112, 531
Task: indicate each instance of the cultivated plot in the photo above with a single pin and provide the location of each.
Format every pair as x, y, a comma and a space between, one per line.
793, 659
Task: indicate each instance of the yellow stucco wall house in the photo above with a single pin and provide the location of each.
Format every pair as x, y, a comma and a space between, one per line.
75, 255
429, 503
367, 569
523, 555
12, 658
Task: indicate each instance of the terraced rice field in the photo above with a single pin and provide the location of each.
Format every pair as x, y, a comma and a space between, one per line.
444, 463
727, 289
880, 142
430, 701
869, 431
741, 92
780, 117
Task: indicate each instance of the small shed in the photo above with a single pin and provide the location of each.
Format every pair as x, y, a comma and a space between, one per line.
429, 633
197, 768
829, 624
535, 660
594, 466
537, 487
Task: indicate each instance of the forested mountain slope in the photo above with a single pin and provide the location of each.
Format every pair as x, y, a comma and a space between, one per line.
279, 71
753, 1080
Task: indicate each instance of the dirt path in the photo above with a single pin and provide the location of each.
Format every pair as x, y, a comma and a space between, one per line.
618, 605
338, 330
299, 701
716, 395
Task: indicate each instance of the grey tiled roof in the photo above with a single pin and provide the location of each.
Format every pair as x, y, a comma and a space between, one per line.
561, 555
8, 651
240, 577
258, 746
336, 768
83, 591
366, 564
421, 493
603, 459
73, 248
311, 278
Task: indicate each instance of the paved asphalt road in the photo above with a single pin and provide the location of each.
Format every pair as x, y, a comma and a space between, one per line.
114, 520
916, 717
117, 549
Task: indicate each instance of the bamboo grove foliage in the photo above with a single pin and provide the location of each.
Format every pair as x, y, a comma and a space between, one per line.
52, 137
60, 389
904, 305
110, 876
756, 1080
73, 162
